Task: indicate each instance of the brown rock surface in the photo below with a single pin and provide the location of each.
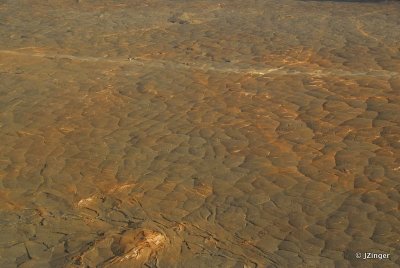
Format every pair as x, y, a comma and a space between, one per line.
199, 133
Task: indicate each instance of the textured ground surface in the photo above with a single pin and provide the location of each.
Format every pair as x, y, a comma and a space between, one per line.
199, 133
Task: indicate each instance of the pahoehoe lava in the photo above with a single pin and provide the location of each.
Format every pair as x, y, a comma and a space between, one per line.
199, 133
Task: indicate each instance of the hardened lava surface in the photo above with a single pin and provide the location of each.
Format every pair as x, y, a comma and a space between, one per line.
199, 133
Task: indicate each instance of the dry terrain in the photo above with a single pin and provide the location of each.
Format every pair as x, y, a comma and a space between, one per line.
161, 133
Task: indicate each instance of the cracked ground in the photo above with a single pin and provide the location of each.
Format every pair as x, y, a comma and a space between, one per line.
199, 133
